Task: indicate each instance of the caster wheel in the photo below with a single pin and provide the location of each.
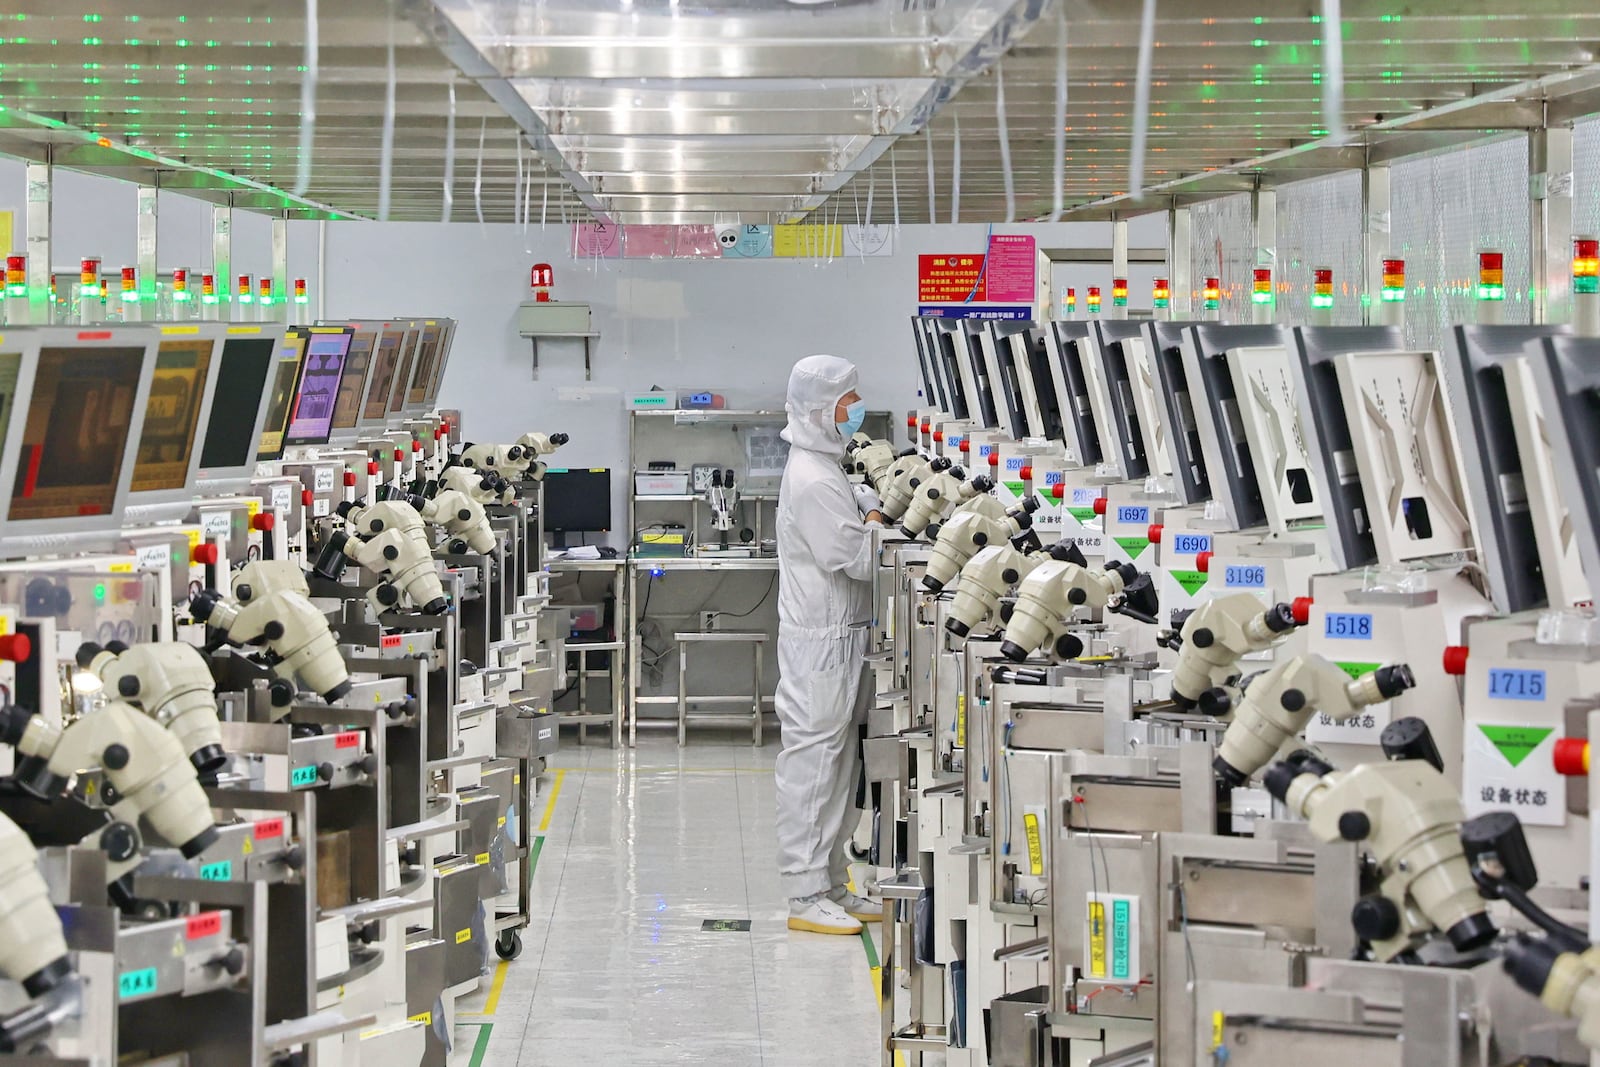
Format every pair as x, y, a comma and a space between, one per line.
858, 855
508, 946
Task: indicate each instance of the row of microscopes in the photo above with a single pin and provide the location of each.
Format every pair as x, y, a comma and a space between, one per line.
1234, 688
258, 805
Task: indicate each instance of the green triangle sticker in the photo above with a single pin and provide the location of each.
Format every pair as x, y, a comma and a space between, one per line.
1017, 488
1081, 514
1357, 670
1133, 545
1515, 742
1190, 580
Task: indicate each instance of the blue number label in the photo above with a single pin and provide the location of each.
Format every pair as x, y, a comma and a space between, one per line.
1083, 498
1134, 515
1052, 477
1516, 685
1191, 544
1348, 626
1245, 577
303, 776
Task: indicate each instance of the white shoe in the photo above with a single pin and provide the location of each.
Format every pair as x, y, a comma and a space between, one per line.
819, 915
859, 908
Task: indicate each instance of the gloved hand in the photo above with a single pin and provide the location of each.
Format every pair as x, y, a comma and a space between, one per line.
867, 499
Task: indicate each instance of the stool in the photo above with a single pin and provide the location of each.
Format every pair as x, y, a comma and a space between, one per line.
584, 717
757, 642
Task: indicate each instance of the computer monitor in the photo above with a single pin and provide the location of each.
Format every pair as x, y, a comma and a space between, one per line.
932, 394
185, 375
1184, 454
285, 376
239, 405
1008, 401
973, 333
71, 440
1033, 363
1110, 341
1082, 434
447, 339
375, 408
321, 379
429, 343
404, 370
950, 352
353, 386
576, 501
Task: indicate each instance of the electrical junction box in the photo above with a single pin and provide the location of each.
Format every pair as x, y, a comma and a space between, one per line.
555, 318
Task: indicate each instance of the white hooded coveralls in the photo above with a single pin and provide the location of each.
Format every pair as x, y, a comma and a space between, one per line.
825, 560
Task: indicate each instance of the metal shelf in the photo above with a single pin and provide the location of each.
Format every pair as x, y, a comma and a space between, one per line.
711, 413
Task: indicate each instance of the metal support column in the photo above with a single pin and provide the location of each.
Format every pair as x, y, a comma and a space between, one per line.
40, 311
1550, 223
1264, 225
144, 309
281, 297
1179, 275
221, 261
1119, 264
1374, 239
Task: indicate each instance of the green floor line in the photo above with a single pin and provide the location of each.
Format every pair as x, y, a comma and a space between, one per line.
533, 855
866, 942
482, 1045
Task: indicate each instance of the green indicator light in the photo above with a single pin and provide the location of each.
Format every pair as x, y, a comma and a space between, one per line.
16, 290
100, 592
1587, 285
182, 42
1394, 294
208, 299
1491, 292
1261, 298
181, 298
302, 300
1321, 301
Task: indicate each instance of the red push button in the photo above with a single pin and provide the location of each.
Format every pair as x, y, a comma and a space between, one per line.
1455, 659
1099, 505
1202, 562
416, 445
307, 497
206, 555
263, 522
372, 466
1058, 491
15, 648
350, 478
1154, 533
911, 422
938, 437
1571, 756
1027, 474
1300, 608
994, 459
965, 446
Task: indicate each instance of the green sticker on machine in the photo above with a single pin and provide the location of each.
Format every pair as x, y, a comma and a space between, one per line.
1515, 742
303, 776
1133, 545
1357, 670
1192, 581
139, 983
221, 871
1081, 514
1017, 488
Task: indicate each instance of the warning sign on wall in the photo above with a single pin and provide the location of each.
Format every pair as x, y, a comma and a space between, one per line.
951, 279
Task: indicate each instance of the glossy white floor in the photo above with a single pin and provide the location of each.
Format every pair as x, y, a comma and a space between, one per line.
640, 847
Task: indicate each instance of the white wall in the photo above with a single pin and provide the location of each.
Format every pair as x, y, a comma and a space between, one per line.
735, 326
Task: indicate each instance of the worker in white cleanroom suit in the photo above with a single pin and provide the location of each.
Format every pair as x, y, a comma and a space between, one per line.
825, 561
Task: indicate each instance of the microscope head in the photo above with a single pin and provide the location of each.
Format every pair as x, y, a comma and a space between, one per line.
295, 633
933, 497
902, 480
171, 682
1406, 815
983, 580
961, 538
33, 949
535, 445
462, 518
481, 458
388, 539
1221, 631
485, 487
868, 458
1049, 596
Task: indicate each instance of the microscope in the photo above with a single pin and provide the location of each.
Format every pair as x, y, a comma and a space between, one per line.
387, 539
534, 445
868, 457
271, 606
934, 496
983, 580
966, 532
1408, 818
172, 683
146, 768
1277, 704
1048, 596
722, 498
486, 487
900, 481
1220, 632
33, 949
463, 520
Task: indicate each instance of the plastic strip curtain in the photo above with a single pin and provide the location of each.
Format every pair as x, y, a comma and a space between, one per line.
927, 142
1058, 203
386, 163
1141, 98
955, 173
1332, 70
308, 103
477, 180
1005, 141
894, 188
516, 190
450, 156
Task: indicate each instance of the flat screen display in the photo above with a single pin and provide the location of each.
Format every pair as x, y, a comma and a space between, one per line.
242, 378
427, 359
77, 429
172, 414
447, 337
284, 375
312, 418
408, 362
383, 364
347, 409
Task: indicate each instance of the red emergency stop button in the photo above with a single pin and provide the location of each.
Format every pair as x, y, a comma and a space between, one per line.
15, 648
350, 478
306, 498
1455, 659
206, 555
1300, 610
399, 456
1153, 533
911, 422
416, 445
1571, 756
263, 522
994, 459
925, 424
1058, 491
938, 437
372, 466
1026, 473
1099, 505
965, 446
1202, 562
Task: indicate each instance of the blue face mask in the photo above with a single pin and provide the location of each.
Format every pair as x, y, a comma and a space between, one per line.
854, 415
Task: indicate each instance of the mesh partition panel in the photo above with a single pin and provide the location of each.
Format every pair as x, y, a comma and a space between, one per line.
1445, 209
1222, 245
1319, 225
1586, 177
